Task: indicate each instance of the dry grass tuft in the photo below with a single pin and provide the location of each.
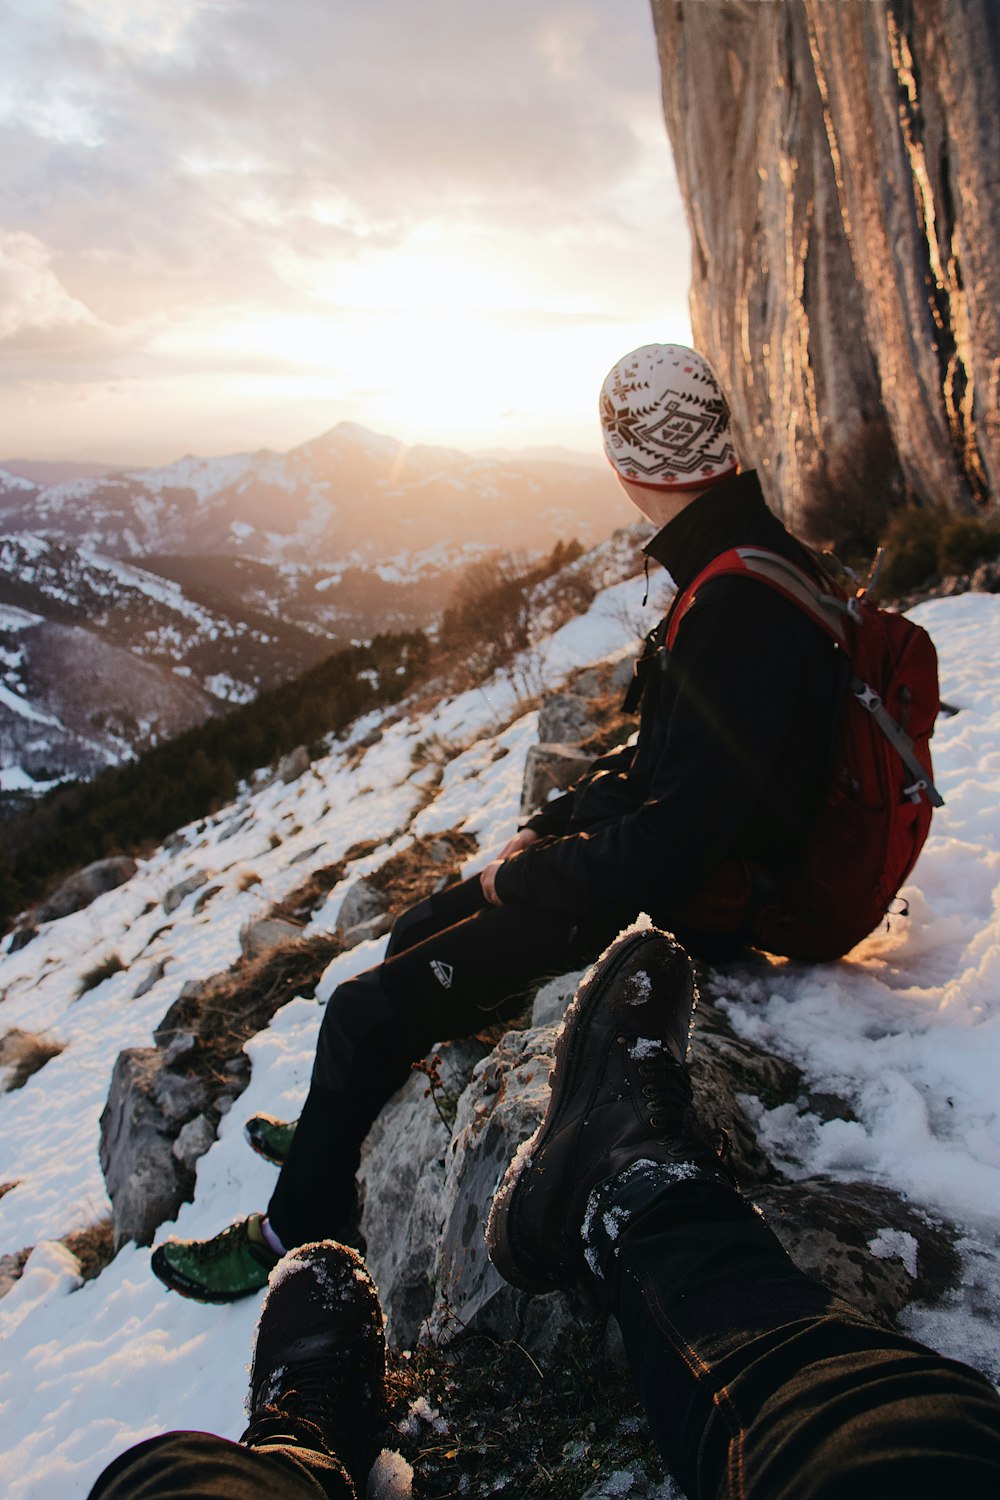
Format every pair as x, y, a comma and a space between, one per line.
22, 1054
418, 870
306, 898
234, 1006
110, 964
94, 1247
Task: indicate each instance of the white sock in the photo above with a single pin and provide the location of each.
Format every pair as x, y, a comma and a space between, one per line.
271, 1238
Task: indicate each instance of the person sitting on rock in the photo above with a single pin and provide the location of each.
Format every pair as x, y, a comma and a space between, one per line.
728, 774
757, 1381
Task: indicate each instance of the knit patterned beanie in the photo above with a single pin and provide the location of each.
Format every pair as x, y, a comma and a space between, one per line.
664, 420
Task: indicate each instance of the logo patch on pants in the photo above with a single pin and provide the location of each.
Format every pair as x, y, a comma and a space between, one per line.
443, 973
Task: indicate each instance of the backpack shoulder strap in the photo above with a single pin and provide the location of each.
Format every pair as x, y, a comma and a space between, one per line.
830, 608
826, 606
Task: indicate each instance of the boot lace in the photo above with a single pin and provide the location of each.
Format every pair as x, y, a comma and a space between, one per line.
666, 1092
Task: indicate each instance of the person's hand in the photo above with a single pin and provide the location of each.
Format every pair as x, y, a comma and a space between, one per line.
488, 881
521, 840
488, 877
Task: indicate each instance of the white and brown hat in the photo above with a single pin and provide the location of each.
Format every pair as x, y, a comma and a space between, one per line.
665, 421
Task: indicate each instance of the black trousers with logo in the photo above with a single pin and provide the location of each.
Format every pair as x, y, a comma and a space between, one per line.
454, 965
758, 1382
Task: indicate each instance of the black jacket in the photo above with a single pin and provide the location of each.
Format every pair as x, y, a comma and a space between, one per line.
735, 740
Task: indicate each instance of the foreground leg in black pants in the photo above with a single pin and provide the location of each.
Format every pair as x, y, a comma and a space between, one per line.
316, 1403
758, 1382
182, 1465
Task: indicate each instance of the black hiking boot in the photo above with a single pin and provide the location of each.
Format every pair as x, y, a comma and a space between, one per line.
620, 1093
318, 1374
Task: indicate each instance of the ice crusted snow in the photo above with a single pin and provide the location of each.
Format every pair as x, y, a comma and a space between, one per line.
907, 1028
895, 1244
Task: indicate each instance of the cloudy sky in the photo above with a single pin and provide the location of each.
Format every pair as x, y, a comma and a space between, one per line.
232, 223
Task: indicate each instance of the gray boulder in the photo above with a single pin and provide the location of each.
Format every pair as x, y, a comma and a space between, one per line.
193, 1141
550, 768
363, 932
85, 886
261, 934
152, 976
499, 1109
145, 1181
362, 903
565, 718
864, 1242
293, 765
402, 1177
184, 888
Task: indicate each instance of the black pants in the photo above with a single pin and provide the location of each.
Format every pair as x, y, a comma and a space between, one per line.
453, 965
758, 1383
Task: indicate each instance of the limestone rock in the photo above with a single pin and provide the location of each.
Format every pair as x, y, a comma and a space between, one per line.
586, 684
837, 164
500, 1108
362, 902
152, 976
179, 1012
550, 768
184, 888
863, 1241
402, 1177
261, 934
194, 1140
177, 1097
145, 1182
565, 718
22, 936
85, 886
364, 932
622, 673
293, 765
234, 825
551, 1000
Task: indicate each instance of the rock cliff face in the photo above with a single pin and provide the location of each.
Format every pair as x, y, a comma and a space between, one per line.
840, 166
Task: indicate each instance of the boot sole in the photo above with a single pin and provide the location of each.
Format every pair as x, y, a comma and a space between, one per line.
176, 1281
516, 1265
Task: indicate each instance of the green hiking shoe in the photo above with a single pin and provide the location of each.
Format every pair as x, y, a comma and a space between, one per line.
233, 1264
271, 1138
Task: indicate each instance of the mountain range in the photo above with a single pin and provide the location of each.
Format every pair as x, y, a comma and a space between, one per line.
134, 603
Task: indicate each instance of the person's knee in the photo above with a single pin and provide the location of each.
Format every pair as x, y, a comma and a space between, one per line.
355, 1010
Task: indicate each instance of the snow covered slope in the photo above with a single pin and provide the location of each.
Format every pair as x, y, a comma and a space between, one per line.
907, 1028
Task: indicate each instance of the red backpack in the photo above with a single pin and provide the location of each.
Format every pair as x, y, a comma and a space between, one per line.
878, 809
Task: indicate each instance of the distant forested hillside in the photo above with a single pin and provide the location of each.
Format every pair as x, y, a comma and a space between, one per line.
137, 805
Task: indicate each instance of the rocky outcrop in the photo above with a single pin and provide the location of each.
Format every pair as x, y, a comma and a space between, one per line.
838, 166
364, 913
143, 1178
166, 1101
549, 769
85, 886
429, 1185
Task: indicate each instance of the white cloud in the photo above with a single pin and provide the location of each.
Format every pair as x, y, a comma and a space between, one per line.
179, 164
32, 298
